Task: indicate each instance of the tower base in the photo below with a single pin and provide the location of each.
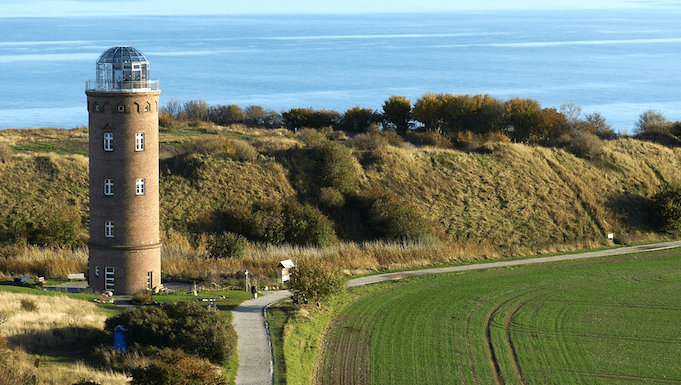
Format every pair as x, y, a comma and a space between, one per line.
124, 270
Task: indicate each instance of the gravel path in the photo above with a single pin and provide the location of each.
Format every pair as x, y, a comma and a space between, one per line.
255, 352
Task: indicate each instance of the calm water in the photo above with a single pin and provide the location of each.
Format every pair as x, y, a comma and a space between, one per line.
619, 63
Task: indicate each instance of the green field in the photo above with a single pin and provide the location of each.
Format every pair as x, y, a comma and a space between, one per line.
603, 321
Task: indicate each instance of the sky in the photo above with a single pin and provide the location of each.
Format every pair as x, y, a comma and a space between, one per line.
61, 8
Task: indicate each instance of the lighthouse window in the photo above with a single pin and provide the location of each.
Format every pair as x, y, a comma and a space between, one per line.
108, 187
139, 141
108, 229
121, 108
108, 142
139, 186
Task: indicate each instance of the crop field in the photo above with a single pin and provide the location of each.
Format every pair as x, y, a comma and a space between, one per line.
603, 321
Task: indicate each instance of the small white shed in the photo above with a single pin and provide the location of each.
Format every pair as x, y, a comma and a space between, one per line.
285, 266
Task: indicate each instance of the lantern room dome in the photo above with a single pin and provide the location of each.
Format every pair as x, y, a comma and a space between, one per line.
122, 54
122, 69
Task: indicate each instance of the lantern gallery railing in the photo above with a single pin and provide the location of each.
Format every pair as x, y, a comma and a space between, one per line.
123, 86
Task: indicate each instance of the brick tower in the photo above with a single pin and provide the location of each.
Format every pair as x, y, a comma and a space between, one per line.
122, 103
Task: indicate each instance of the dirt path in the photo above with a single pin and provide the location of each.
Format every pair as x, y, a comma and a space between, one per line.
255, 352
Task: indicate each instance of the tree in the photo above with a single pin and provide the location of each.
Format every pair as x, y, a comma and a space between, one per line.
297, 118
316, 280
651, 121
255, 116
358, 119
600, 126
196, 110
666, 204
397, 114
523, 118
428, 110
226, 115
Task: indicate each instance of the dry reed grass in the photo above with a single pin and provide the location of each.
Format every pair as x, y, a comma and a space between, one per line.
49, 262
57, 324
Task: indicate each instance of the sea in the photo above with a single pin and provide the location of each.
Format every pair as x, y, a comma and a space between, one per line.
615, 62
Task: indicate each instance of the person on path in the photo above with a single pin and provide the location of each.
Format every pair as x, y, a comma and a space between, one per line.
254, 291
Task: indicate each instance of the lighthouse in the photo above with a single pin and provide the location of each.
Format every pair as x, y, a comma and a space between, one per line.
122, 104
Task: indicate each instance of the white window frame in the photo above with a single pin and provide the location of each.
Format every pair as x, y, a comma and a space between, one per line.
96, 271
109, 276
150, 274
139, 186
139, 141
108, 187
108, 141
108, 229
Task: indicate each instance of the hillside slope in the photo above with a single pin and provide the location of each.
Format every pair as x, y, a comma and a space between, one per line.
511, 197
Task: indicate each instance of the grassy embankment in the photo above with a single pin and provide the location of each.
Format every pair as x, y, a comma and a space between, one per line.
509, 199
608, 320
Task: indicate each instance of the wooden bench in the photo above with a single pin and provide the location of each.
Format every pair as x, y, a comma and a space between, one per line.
76, 277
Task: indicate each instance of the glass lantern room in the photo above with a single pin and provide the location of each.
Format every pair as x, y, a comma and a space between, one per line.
123, 69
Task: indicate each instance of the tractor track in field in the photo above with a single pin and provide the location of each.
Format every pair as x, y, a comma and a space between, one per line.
468, 340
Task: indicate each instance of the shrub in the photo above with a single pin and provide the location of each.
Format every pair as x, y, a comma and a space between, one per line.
59, 225
28, 305
316, 280
586, 145
289, 223
666, 203
311, 137
330, 197
243, 151
175, 367
433, 139
397, 220
338, 168
182, 325
142, 298
228, 245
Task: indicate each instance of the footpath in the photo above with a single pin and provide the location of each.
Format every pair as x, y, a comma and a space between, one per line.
255, 352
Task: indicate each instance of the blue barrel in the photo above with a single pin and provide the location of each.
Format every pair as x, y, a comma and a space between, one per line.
120, 342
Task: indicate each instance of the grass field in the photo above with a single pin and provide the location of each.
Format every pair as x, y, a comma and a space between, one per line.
609, 320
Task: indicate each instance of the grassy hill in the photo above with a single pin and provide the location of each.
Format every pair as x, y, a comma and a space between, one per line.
389, 202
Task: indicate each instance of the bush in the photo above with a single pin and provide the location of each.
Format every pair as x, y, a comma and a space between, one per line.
243, 151
288, 223
142, 298
228, 245
337, 168
586, 145
397, 220
316, 280
28, 305
433, 139
666, 203
182, 325
175, 367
